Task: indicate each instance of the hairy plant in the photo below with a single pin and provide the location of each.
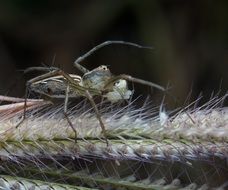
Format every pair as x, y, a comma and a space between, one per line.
147, 148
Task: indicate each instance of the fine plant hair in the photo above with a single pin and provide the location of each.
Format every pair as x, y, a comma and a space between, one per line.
184, 150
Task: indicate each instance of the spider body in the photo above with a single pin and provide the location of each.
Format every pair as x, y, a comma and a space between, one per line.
97, 82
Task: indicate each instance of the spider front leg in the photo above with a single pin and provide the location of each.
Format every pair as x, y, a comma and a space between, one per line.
99, 46
135, 80
65, 111
28, 84
41, 69
90, 98
25, 106
86, 92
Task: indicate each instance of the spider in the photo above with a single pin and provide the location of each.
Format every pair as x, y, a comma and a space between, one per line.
97, 82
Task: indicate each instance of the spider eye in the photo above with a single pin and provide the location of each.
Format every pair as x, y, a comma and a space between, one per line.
104, 68
116, 83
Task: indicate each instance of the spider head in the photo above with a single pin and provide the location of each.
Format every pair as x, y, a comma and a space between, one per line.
102, 68
97, 77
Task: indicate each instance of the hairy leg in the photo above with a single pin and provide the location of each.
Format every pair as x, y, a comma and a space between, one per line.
65, 111
135, 80
94, 49
90, 98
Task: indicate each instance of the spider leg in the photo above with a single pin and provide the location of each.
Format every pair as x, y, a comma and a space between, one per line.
90, 98
135, 80
42, 69
85, 92
106, 43
65, 111
25, 106
13, 99
28, 83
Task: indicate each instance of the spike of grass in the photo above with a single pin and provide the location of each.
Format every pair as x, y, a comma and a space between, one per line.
146, 149
9, 182
210, 126
191, 147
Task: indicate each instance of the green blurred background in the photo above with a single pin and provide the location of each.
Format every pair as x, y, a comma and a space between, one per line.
190, 40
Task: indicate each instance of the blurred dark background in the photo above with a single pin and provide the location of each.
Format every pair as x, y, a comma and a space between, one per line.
190, 40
